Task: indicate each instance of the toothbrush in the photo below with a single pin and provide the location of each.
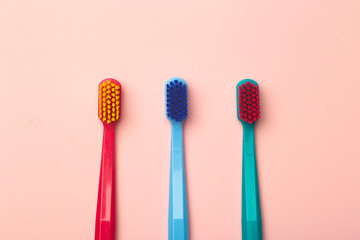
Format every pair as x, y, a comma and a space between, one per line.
176, 112
248, 112
109, 113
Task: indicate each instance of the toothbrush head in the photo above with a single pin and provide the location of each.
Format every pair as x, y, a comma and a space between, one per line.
248, 103
176, 100
109, 101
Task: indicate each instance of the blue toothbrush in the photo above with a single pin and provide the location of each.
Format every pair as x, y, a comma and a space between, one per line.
248, 112
176, 112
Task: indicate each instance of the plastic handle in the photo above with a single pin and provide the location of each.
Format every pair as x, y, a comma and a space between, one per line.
178, 214
251, 216
105, 214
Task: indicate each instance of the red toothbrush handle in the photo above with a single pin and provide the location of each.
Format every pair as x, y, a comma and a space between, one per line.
105, 213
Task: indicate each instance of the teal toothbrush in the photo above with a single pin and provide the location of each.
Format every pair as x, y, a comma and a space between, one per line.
176, 112
248, 112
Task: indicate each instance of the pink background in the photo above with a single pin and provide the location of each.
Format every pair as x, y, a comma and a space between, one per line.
304, 54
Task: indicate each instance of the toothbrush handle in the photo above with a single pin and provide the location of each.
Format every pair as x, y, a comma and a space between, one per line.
178, 214
105, 213
251, 216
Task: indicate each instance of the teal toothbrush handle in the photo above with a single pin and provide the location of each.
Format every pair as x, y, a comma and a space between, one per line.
251, 216
178, 214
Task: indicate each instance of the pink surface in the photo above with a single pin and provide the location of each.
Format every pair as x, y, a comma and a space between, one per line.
304, 54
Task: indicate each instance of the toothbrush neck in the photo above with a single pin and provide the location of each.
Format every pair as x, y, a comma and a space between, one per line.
177, 134
248, 127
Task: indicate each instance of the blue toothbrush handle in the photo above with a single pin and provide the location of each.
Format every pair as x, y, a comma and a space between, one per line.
178, 214
251, 215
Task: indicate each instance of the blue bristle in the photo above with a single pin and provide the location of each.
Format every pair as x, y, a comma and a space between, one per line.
176, 100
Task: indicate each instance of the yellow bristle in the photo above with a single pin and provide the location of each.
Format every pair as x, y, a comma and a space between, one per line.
109, 101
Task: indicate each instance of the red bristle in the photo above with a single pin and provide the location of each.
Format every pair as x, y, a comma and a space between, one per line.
249, 104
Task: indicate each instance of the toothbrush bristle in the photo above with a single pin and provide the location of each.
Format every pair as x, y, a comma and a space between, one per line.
248, 102
176, 100
109, 100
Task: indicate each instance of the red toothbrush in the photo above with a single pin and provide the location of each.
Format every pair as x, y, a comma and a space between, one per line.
109, 113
